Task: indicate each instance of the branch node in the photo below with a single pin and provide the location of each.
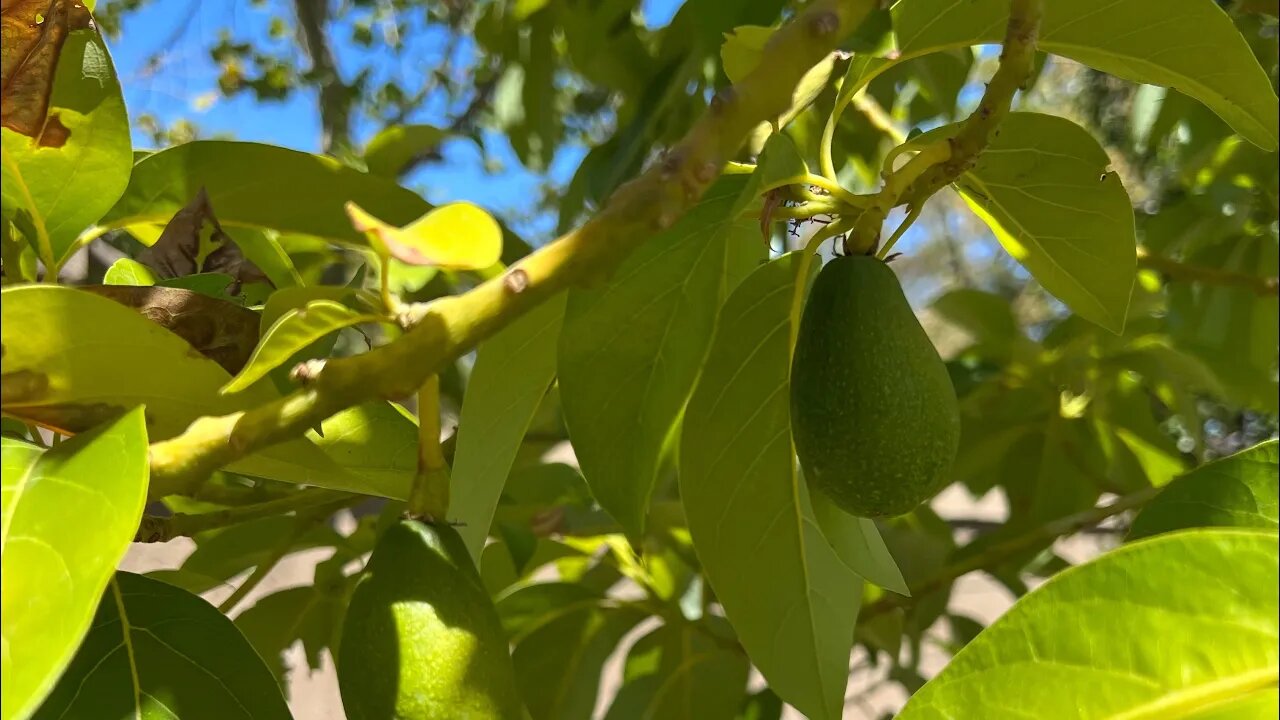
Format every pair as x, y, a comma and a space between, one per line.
306, 372
515, 281
824, 24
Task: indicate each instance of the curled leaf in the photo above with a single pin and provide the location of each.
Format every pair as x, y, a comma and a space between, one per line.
458, 236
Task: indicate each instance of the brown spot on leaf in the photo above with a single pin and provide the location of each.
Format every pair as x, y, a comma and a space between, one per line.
22, 386
174, 253
221, 331
32, 33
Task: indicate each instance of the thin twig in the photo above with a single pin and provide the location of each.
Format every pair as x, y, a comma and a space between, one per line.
1175, 270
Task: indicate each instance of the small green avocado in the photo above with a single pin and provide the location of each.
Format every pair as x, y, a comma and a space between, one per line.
421, 639
873, 412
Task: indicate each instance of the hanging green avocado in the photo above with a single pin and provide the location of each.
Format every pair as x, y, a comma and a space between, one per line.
873, 412
421, 640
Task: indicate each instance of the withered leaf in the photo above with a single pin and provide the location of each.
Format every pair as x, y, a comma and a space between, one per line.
221, 331
174, 254
32, 33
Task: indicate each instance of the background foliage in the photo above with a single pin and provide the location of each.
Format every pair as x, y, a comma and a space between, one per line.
1102, 284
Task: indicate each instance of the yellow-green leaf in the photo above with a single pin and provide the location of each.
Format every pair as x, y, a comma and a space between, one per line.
458, 236
294, 331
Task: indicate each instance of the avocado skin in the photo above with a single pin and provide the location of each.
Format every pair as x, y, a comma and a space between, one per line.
421, 639
873, 411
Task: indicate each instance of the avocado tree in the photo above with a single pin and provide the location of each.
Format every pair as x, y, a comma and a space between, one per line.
683, 460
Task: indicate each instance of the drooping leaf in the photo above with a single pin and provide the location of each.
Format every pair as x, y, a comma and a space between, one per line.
748, 509
69, 514
292, 333
66, 147
857, 542
1044, 189
1236, 491
458, 236
508, 381
116, 360
260, 186
682, 672
630, 352
1193, 47
1166, 627
156, 652
396, 149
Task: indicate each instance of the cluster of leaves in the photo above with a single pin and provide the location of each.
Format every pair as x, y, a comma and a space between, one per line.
685, 512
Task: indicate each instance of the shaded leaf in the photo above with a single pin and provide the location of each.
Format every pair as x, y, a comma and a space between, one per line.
1236, 491
511, 375
1125, 636
748, 509
458, 236
682, 671
156, 651
630, 352
69, 514
857, 542
779, 163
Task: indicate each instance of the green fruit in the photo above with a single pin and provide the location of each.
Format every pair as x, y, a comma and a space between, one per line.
873, 412
421, 639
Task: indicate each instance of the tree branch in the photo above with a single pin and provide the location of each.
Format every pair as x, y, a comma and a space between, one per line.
448, 327
998, 554
1175, 270
335, 95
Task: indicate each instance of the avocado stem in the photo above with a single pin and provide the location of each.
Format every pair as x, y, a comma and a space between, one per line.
429, 497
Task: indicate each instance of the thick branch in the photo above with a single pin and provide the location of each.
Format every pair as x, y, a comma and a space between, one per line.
335, 96
451, 326
1175, 270
997, 555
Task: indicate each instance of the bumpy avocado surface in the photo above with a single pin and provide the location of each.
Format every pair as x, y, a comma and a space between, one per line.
873, 412
421, 639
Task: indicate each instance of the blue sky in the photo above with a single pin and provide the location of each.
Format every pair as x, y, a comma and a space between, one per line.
185, 86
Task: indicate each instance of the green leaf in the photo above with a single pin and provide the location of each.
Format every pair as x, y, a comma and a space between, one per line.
72, 381
857, 542
260, 186
1190, 45
1235, 491
742, 49
1044, 188
1166, 627
748, 508
127, 271
62, 190
69, 514
457, 236
986, 317
308, 613
292, 333
682, 672
559, 664
511, 375
396, 149
630, 352
779, 164
157, 652
377, 442
222, 554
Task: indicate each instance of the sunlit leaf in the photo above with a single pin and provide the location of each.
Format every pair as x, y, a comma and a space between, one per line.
1167, 627
458, 236
293, 332
69, 514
